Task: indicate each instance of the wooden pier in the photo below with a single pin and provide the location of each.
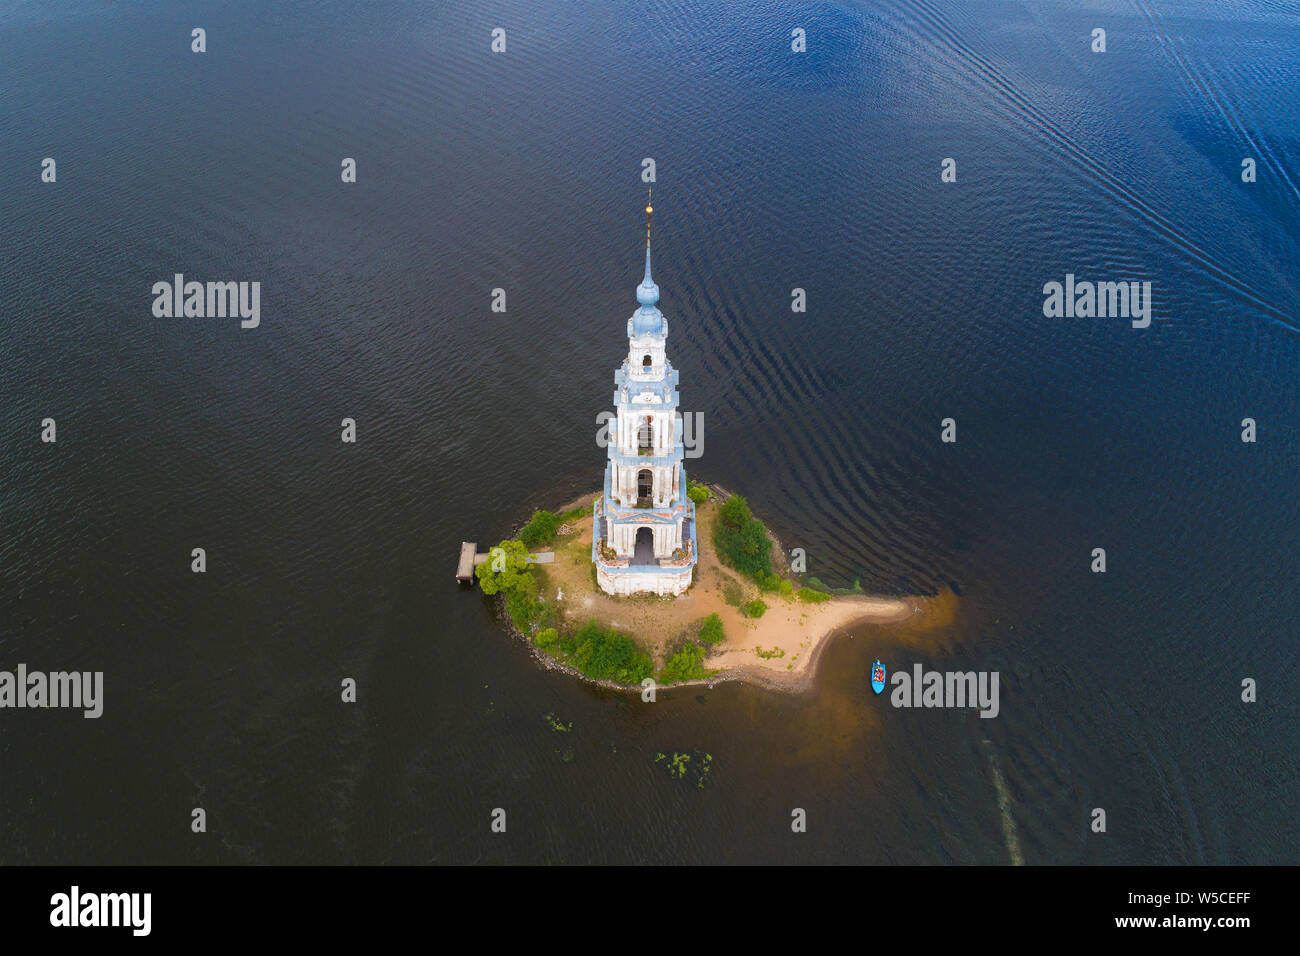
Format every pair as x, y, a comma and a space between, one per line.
470, 557
465, 567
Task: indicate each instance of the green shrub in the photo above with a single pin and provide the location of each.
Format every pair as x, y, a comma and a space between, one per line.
768, 582
813, 597
755, 608
540, 529
697, 493
686, 664
546, 637
731, 592
787, 589
711, 630
521, 602
605, 655
741, 539
735, 512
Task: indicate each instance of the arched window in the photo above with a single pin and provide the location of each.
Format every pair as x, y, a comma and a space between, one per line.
645, 362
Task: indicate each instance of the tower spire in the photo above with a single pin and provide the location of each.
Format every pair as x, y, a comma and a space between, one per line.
647, 293
648, 210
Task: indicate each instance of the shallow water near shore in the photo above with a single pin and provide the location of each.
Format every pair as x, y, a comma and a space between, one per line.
328, 561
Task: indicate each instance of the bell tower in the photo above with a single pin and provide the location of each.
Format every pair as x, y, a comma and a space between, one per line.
644, 525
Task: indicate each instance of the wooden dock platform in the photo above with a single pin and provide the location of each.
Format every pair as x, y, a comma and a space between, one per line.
468, 558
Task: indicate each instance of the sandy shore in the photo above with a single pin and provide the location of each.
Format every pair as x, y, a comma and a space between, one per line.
780, 649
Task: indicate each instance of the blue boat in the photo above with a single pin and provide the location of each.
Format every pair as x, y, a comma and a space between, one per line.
877, 677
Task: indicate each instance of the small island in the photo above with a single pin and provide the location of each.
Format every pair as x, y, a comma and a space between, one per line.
656, 576
744, 617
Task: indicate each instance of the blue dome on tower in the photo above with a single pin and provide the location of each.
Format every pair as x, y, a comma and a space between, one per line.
647, 320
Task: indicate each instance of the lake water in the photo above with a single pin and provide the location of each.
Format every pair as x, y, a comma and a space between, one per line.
775, 171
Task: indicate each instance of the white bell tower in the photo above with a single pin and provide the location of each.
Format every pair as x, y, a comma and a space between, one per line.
644, 524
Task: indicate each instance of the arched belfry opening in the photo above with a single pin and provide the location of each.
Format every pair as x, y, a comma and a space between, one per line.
644, 552
646, 362
644, 485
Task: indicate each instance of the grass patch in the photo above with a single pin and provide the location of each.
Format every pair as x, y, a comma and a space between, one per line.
732, 592
540, 529
755, 608
574, 514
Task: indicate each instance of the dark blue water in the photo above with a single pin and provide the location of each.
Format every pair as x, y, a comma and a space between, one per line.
522, 171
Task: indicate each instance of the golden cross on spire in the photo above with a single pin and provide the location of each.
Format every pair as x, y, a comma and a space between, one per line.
648, 210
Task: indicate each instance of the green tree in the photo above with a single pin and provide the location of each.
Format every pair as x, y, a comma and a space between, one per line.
735, 512
606, 655
741, 539
506, 563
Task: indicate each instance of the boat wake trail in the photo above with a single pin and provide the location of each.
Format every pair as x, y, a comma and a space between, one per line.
994, 87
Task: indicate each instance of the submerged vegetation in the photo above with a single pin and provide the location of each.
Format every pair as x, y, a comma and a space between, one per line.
557, 725
679, 765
